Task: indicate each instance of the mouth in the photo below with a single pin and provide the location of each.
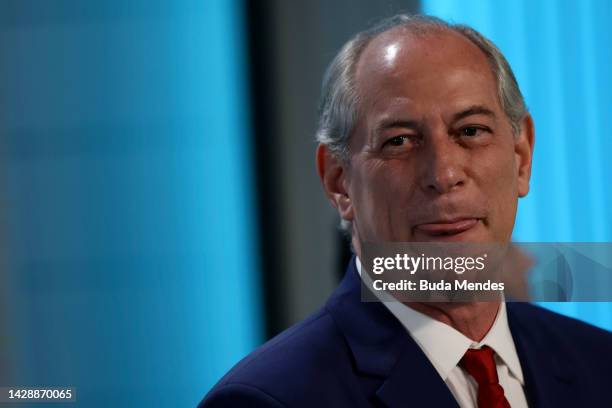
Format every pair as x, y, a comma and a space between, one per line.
446, 229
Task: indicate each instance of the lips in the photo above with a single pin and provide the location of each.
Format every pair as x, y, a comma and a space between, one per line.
447, 228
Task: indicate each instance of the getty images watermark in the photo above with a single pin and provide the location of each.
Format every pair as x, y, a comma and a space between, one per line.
460, 272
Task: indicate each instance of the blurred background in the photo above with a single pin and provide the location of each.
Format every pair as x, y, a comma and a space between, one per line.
160, 211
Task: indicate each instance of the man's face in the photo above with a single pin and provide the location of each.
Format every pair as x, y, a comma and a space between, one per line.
433, 156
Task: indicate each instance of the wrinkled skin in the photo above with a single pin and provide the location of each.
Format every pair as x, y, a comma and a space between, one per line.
433, 156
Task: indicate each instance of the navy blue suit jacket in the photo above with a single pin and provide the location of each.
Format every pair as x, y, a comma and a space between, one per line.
357, 354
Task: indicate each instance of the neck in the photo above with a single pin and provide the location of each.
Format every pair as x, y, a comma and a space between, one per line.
473, 319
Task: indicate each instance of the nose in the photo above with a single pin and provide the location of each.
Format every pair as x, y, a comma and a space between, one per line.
443, 165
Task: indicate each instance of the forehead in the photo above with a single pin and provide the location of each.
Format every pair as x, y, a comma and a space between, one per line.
441, 66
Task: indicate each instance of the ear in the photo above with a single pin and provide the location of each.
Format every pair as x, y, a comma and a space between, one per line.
333, 174
523, 150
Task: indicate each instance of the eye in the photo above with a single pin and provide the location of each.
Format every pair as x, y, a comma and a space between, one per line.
471, 131
396, 141
406, 139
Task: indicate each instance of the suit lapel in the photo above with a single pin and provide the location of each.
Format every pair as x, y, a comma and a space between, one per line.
546, 366
382, 348
413, 379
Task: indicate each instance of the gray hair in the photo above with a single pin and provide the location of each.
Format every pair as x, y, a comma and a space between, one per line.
338, 106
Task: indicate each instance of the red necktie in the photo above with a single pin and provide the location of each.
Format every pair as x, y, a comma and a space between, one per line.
480, 364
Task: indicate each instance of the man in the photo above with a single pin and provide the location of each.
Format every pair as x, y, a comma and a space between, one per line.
424, 136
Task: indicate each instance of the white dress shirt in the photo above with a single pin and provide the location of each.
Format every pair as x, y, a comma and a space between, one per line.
444, 347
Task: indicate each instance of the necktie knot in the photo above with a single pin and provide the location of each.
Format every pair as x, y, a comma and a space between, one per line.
480, 364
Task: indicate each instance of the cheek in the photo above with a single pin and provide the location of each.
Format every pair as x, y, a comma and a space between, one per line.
501, 189
504, 183
370, 189
379, 188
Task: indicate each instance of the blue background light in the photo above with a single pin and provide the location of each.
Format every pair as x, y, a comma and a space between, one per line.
128, 189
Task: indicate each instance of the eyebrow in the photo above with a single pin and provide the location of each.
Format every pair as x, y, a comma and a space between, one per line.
473, 110
395, 123
413, 124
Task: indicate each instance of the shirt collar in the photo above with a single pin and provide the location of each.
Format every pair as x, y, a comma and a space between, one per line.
444, 346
